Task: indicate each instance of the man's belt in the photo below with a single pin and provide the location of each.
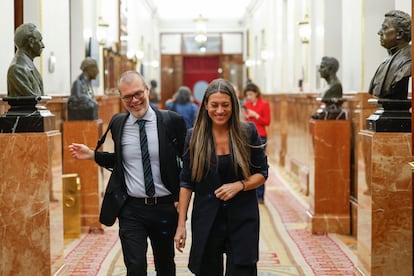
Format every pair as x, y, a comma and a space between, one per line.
152, 200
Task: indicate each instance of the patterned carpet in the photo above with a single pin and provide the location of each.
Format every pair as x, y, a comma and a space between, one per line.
317, 254
91, 254
286, 245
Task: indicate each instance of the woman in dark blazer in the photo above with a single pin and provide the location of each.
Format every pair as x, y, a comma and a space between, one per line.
223, 163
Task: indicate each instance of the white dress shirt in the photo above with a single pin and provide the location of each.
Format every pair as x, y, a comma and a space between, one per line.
132, 159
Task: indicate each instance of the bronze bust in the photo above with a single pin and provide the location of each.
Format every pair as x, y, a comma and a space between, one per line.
332, 95
327, 69
390, 81
23, 79
81, 103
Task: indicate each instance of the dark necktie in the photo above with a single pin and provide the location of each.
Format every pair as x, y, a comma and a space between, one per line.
146, 164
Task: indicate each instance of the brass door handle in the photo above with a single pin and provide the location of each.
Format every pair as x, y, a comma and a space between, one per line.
69, 201
411, 165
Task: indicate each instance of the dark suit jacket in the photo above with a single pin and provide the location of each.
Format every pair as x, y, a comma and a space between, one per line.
242, 211
170, 147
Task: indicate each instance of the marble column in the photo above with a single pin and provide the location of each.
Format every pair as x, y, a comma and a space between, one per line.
90, 174
329, 208
31, 216
385, 205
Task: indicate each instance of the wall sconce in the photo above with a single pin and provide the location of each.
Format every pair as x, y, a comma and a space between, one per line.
139, 54
264, 54
51, 63
102, 31
252, 63
304, 29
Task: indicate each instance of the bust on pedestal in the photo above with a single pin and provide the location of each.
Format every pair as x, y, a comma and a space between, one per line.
390, 82
384, 195
25, 86
31, 172
83, 114
332, 96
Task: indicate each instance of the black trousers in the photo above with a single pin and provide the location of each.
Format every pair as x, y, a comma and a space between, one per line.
137, 223
217, 245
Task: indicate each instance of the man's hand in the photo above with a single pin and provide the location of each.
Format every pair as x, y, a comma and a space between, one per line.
81, 151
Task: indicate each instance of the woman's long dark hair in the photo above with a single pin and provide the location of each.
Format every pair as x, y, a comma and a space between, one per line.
202, 142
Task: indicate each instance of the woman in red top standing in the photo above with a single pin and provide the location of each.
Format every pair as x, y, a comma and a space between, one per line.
257, 111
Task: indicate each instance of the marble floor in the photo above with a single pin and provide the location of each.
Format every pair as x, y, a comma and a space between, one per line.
286, 245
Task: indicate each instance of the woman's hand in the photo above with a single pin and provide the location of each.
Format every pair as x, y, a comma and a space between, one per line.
180, 236
228, 191
81, 151
252, 114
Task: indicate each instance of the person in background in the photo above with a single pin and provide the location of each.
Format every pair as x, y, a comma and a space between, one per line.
241, 102
141, 195
183, 104
223, 163
257, 111
154, 97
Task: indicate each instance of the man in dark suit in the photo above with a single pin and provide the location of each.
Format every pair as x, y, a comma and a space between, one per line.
23, 79
141, 216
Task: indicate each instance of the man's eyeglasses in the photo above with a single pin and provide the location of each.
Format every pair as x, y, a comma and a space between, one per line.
137, 95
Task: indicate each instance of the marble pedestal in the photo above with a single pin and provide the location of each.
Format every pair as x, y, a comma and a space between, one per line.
90, 174
392, 116
41, 123
329, 208
26, 115
385, 206
31, 215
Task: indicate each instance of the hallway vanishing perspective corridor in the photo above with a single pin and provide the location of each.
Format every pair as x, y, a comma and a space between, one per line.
287, 246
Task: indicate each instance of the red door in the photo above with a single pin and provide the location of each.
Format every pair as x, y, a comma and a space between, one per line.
198, 71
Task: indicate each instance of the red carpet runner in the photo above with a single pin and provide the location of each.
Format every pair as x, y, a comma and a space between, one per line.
286, 245
88, 255
318, 254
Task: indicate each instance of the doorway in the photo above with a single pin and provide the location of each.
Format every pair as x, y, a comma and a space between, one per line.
198, 72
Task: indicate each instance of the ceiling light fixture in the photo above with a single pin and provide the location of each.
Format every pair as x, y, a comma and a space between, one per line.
201, 29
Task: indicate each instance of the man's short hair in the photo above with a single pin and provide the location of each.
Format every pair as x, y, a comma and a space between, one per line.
23, 33
129, 77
